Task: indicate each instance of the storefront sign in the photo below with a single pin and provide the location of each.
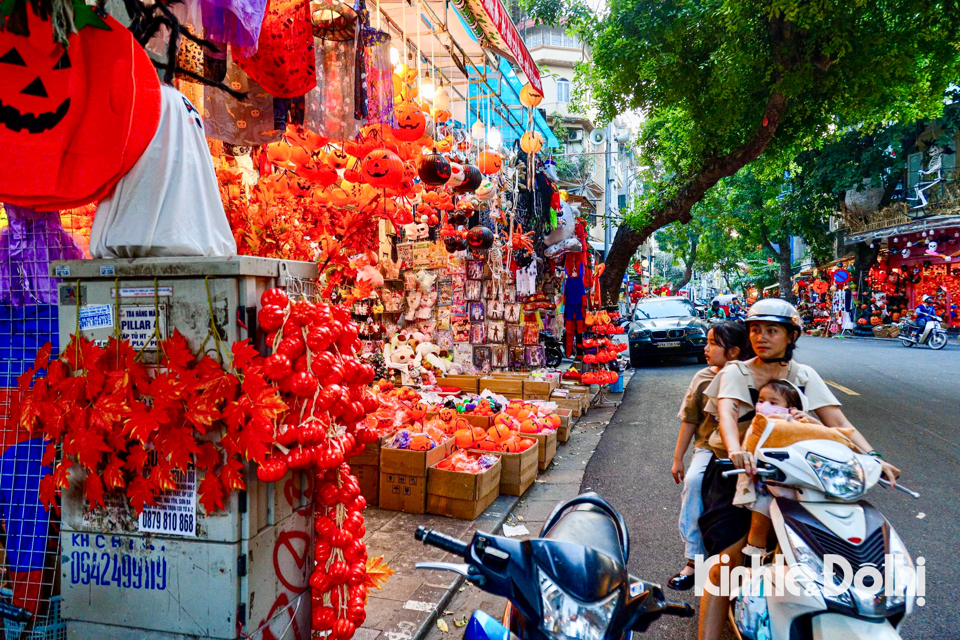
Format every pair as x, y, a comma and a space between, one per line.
499, 29
137, 324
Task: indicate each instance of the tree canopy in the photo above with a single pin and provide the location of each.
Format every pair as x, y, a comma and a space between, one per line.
721, 82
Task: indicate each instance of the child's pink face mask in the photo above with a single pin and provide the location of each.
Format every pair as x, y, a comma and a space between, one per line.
768, 409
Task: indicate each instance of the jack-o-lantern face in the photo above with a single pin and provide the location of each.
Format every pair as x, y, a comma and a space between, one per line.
381, 168
79, 126
489, 162
35, 74
419, 411
434, 170
447, 414
336, 158
411, 122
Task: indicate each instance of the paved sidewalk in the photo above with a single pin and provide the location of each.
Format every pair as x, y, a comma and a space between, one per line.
561, 481
412, 600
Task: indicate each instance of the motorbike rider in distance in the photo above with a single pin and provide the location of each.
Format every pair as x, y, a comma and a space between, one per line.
716, 312
925, 311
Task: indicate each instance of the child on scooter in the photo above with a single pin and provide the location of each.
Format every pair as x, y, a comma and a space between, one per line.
781, 399
726, 341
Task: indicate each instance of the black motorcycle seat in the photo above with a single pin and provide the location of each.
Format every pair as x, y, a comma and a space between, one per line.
590, 527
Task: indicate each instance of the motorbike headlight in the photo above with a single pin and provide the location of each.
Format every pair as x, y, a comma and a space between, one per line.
564, 617
843, 480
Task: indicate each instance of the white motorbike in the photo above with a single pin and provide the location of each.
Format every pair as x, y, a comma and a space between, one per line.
825, 532
933, 334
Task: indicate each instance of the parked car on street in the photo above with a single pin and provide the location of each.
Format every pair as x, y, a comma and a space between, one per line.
663, 328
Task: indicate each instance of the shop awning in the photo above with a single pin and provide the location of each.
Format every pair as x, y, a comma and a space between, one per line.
499, 33
925, 224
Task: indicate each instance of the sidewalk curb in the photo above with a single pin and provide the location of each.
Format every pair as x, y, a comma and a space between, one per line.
427, 626
431, 620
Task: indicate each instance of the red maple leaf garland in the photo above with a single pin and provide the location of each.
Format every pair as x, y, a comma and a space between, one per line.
112, 412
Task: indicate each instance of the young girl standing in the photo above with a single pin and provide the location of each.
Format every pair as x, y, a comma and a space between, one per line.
726, 341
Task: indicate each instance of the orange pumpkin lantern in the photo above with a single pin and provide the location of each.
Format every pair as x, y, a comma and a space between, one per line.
411, 122
420, 442
381, 168
529, 426
489, 162
418, 411
530, 97
464, 438
447, 414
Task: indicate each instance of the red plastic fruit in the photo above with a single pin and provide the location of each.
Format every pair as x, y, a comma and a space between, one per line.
275, 297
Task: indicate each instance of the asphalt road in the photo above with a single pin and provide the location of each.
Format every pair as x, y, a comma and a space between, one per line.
908, 406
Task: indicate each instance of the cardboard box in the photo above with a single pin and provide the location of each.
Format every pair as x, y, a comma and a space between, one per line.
369, 457
573, 403
536, 396
369, 478
515, 375
467, 384
547, 448
539, 386
462, 495
518, 470
566, 418
413, 463
510, 387
400, 492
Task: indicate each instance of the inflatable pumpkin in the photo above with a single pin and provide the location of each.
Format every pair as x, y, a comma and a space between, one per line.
489, 162
381, 168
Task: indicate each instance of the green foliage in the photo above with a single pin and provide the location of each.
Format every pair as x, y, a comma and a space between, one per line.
703, 72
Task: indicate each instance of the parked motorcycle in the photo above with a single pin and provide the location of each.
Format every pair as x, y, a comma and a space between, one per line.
552, 348
570, 584
818, 511
933, 334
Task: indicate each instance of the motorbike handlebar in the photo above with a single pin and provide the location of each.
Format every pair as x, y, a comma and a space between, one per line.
442, 541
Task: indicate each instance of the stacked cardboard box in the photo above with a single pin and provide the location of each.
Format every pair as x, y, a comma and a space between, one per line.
366, 467
509, 387
467, 384
539, 388
462, 495
518, 472
546, 447
403, 476
566, 418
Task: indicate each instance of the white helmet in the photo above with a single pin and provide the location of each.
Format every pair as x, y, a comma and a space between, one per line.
775, 310
926, 298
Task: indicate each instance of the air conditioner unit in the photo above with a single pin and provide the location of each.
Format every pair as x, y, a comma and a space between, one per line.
575, 135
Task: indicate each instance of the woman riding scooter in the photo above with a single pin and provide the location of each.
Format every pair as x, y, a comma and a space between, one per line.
774, 326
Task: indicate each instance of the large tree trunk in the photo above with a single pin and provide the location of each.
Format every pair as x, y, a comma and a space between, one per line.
677, 208
785, 277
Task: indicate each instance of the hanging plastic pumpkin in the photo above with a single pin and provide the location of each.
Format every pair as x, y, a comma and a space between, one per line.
480, 238
411, 122
489, 162
454, 244
434, 170
530, 97
381, 168
473, 179
531, 141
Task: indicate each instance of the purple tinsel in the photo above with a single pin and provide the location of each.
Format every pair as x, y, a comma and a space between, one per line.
27, 247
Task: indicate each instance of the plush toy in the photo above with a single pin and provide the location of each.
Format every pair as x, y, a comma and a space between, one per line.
413, 304
427, 302
435, 356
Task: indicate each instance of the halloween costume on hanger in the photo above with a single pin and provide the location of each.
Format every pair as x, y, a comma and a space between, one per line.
574, 302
